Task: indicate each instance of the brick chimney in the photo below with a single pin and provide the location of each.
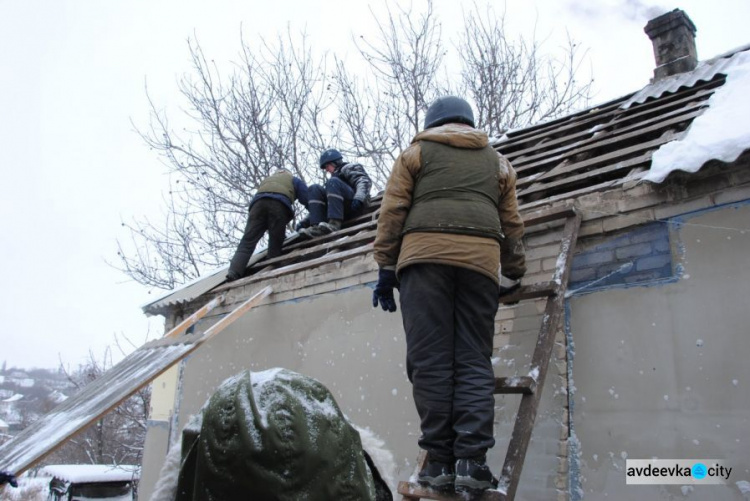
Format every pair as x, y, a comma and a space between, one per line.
673, 36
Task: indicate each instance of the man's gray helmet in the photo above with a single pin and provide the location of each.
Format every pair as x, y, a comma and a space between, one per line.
449, 109
329, 156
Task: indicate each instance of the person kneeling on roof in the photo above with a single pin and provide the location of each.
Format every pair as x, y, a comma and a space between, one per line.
345, 195
270, 210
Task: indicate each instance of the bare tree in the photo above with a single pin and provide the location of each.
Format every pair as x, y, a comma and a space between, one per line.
512, 82
265, 114
279, 106
382, 113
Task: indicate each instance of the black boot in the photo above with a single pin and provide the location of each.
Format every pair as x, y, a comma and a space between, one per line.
474, 476
436, 474
321, 229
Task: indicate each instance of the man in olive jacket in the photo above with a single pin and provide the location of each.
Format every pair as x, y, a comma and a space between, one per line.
270, 210
449, 223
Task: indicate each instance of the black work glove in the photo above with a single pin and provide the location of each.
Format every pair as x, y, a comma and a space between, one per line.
508, 286
356, 206
8, 478
383, 292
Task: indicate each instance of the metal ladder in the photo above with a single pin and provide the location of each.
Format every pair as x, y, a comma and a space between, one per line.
528, 386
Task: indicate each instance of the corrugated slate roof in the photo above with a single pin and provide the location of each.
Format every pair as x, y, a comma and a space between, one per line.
706, 71
185, 293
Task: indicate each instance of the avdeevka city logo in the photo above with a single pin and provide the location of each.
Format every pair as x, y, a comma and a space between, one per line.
677, 471
699, 471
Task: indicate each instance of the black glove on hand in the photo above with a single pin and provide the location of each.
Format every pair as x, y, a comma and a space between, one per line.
356, 206
383, 292
8, 478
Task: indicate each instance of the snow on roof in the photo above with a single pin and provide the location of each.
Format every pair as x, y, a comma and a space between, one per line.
721, 133
87, 473
3, 424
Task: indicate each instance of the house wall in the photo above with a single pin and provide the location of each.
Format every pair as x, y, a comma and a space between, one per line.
662, 370
326, 323
358, 352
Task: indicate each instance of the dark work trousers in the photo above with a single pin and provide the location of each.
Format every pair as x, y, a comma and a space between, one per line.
266, 214
449, 317
331, 202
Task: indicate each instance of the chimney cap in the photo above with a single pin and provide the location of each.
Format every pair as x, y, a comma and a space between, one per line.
667, 22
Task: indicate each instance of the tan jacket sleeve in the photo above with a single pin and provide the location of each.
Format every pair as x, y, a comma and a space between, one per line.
512, 253
397, 201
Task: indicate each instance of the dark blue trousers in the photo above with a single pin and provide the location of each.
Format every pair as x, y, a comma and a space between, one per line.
331, 202
449, 319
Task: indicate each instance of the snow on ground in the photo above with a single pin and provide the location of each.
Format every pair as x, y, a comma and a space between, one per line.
84, 473
721, 133
29, 489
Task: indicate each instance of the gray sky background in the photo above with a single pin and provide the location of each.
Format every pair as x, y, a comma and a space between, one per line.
72, 76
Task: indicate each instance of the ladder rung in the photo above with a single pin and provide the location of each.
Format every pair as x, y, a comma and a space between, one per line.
533, 291
514, 385
416, 491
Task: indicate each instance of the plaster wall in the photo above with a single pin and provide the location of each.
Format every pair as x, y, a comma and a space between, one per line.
662, 371
358, 352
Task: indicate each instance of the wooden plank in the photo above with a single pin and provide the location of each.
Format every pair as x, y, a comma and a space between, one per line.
297, 267
608, 142
611, 157
570, 195
323, 248
627, 164
597, 115
666, 136
421, 458
411, 491
519, 442
620, 119
193, 319
107, 392
515, 385
538, 133
332, 236
532, 291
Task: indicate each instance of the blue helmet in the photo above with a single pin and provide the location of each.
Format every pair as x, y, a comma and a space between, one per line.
328, 156
449, 109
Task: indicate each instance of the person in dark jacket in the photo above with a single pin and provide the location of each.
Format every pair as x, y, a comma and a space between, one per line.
270, 210
450, 231
345, 195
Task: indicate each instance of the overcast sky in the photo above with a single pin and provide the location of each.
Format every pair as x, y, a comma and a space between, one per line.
72, 77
